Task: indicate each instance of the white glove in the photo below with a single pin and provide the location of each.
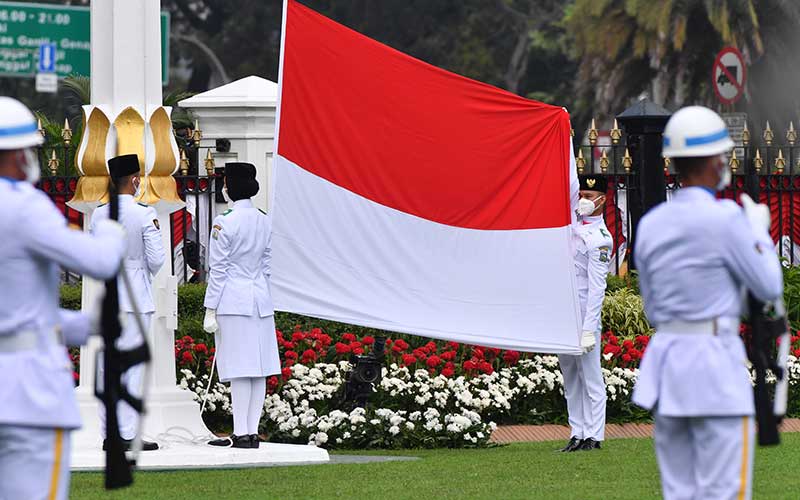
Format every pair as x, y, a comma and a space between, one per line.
110, 227
210, 324
757, 213
588, 341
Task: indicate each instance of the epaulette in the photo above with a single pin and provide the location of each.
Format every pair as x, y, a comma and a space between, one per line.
262, 211
226, 212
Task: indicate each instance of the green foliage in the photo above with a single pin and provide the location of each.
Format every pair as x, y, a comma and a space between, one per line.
70, 297
630, 280
791, 294
623, 314
79, 86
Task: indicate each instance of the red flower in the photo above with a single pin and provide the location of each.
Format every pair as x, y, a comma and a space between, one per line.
511, 357
355, 345
469, 365
187, 339
453, 345
278, 333
342, 348
409, 359
399, 345
635, 354
200, 348
626, 358
367, 340
431, 346
612, 339
448, 355
477, 352
290, 355
348, 337
76, 376
797, 353
187, 357
286, 373
272, 382
434, 361
298, 336
613, 349
449, 365
495, 351
448, 372
627, 344
358, 350
486, 367
309, 356
420, 353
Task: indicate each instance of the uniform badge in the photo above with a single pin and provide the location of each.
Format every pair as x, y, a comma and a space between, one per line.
155, 223
604, 252
591, 182
215, 233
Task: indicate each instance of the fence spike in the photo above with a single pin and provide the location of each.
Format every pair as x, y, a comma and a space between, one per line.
184, 163
616, 133
733, 163
593, 133
209, 163
791, 134
759, 162
604, 161
580, 161
627, 161
780, 162
768, 135
53, 163
746, 135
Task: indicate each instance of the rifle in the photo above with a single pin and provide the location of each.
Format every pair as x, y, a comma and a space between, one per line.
110, 389
768, 321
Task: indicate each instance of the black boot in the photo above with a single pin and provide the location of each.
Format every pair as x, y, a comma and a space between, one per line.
254, 441
574, 444
127, 443
233, 441
589, 444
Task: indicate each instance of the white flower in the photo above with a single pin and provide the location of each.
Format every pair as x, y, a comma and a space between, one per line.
394, 430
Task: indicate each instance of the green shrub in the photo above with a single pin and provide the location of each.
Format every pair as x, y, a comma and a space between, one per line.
623, 314
791, 294
630, 281
70, 297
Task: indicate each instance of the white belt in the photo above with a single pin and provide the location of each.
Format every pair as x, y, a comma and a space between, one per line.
716, 326
28, 340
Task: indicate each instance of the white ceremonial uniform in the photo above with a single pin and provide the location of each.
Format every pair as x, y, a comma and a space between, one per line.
144, 256
37, 403
238, 289
584, 386
694, 254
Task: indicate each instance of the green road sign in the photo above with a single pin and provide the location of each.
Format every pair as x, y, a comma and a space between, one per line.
25, 26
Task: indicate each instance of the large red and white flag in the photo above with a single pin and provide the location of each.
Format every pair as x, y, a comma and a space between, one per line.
411, 199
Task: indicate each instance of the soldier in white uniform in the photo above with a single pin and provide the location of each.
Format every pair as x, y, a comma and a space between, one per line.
37, 394
143, 258
694, 255
239, 305
584, 386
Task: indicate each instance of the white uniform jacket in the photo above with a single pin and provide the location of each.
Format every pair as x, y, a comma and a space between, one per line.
239, 262
37, 387
145, 252
593, 251
694, 255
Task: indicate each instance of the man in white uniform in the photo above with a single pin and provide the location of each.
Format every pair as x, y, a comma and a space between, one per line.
143, 258
695, 254
584, 386
37, 394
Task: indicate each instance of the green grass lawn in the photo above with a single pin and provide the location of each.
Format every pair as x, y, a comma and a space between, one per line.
623, 469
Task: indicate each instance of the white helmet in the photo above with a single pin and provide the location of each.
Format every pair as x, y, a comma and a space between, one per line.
18, 127
695, 131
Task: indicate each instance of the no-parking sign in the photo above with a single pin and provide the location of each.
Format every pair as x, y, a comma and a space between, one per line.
729, 75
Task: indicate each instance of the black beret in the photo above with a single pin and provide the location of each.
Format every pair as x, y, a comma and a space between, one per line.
593, 183
123, 166
241, 180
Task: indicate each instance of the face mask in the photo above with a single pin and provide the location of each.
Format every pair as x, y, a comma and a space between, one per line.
138, 192
586, 207
31, 167
724, 178
225, 194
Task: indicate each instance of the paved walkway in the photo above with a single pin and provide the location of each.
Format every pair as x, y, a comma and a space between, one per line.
528, 433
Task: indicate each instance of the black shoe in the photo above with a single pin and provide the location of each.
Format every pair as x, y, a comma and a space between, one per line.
127, 443
254, 441
589, 444
233, 441
574, 444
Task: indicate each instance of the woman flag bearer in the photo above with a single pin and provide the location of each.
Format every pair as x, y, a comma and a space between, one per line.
694, 255
239, 306
38, 410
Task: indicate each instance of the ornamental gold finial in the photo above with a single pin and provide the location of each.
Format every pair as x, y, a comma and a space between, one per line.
197, 134
66, 132
616, 133
604, 161
184, 163
733, 163
746, 134
209, 163
791, 134
39, 127
627, 161
580, 161
768, 135
780, 162
593, 133
759, 162
53, 163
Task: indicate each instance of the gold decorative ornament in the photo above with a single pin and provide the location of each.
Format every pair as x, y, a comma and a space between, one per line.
759, 162
92, 188
733, 163
209, 163
768, 135
627, 161
591, 182
604, 161
66, 132
184, 163
593, 133
791, 134
53, 163
780, 162
746, 135
580, 161
197, 134
616, 133
161, 186
39, 127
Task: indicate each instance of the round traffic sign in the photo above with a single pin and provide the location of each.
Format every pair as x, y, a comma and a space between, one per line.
729, 75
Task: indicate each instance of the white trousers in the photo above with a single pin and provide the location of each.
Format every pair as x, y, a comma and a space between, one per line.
127, 417
585, 390
34, 463
705, 458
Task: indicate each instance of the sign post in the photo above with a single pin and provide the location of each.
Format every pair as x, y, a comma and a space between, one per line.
46, 78
729, 75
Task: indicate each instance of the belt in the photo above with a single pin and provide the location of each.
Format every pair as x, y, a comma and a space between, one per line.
28, 340
715, 326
